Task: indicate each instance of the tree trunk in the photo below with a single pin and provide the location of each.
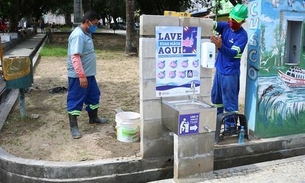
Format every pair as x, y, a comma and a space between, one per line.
68, 19
130, 45
14, 16
13, 23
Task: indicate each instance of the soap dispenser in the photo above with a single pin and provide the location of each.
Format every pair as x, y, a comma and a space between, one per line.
208, 52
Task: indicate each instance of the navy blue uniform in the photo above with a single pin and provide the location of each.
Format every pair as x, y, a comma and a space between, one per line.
225, 87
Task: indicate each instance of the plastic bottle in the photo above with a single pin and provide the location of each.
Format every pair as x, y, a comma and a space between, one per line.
241, 135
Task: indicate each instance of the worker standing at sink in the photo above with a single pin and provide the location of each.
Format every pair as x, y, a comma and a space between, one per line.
230, 42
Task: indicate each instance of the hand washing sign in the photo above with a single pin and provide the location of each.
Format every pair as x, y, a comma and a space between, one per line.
177, 60
188, 124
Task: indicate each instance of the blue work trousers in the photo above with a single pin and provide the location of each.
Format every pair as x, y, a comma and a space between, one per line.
225, 92
78, 96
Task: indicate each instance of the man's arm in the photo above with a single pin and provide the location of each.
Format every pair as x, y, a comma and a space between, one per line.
78, 67
236, 50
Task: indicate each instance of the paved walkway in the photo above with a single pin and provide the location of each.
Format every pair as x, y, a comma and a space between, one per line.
289, 170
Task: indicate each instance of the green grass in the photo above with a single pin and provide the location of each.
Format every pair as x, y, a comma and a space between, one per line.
54, 50
64, 28
58, 50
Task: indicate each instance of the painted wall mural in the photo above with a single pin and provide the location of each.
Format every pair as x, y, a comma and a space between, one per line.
275, 93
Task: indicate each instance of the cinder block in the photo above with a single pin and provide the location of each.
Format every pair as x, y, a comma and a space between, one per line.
195, 165
205, 86
157, 148
193, 145
151, 109
206, 24
153, 129
206, 72
148, 68
209, 119
149, 22
207, 27
148, 89
147, 48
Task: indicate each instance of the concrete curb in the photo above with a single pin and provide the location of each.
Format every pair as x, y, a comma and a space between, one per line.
249, 172
15, 169
233, 155
246, 169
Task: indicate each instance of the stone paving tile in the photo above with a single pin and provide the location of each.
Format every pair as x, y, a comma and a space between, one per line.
289, 170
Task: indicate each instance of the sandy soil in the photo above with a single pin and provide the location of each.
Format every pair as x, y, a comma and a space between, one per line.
45, 134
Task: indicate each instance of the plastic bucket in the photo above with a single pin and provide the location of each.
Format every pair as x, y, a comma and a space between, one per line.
128, 126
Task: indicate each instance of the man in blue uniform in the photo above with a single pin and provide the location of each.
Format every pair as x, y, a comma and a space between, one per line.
81, 65
230, 43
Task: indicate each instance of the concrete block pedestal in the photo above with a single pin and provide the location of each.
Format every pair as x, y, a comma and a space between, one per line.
193, 154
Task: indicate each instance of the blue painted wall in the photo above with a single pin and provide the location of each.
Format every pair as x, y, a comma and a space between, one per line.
275, 105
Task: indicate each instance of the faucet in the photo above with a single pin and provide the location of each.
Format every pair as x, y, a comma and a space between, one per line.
207, 129
193, 89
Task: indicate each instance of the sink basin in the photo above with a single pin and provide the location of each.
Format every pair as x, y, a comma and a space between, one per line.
199, 116
178, 101
190, 106
182, 105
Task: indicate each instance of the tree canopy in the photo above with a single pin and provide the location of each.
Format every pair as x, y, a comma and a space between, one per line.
14, 10
33, 10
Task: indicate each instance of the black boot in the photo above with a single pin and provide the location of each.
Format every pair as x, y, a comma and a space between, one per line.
94, 119
74, 127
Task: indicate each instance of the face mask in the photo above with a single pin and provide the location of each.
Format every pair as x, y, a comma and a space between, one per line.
92, 28
234, 25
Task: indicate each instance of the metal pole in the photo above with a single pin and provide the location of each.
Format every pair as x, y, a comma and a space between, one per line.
216, 10
78, 12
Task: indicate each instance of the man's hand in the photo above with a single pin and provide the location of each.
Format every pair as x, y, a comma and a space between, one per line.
216, 40
83, 82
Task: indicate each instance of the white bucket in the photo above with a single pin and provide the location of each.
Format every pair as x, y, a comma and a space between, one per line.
128, 126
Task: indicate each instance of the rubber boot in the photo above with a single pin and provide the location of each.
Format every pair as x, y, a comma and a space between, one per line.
74, 127
94, 119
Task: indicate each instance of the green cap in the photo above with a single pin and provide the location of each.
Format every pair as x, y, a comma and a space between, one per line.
239, 12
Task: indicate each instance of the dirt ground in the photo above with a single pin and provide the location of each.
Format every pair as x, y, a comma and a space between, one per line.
45, 134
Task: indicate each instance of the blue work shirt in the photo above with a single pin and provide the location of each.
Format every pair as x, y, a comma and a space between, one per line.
81, 42
233, 45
